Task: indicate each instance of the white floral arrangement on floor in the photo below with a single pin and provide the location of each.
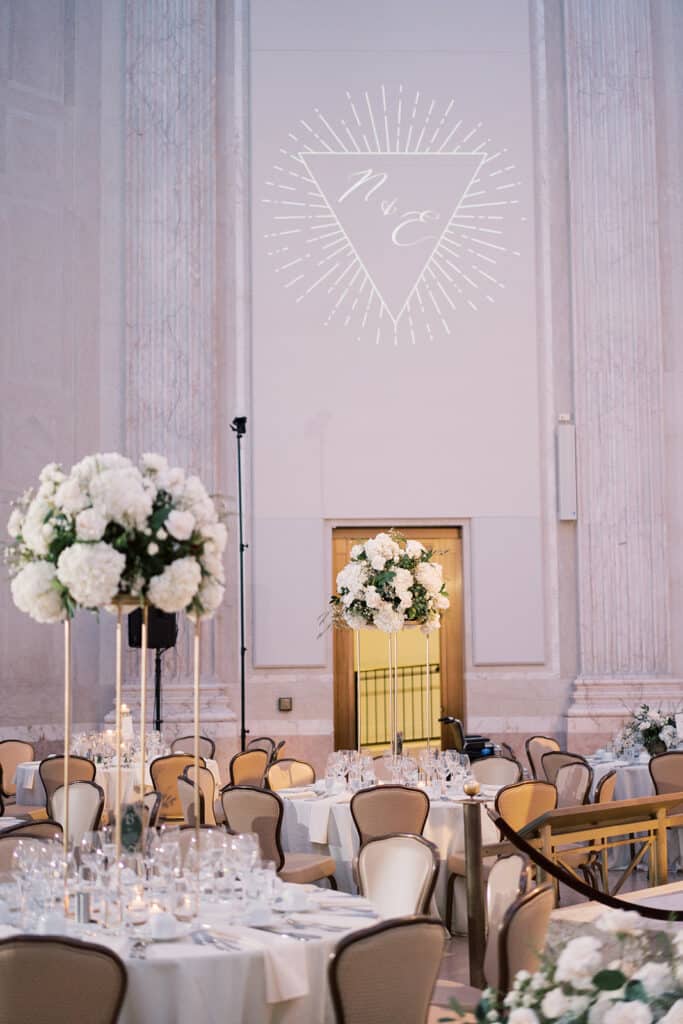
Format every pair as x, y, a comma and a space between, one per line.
388, 583
628, 975
654, 730
109, 529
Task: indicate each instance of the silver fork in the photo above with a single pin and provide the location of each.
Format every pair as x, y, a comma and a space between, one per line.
205, 938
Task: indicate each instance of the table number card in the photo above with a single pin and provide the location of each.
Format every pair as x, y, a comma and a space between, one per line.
131, 827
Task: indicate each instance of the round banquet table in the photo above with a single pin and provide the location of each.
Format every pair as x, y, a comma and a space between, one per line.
30, 791
634, 780
323, 824
263, 978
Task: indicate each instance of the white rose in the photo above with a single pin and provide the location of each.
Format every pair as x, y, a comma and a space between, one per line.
33, 592
91, 573
210, 596
675, 1014
357, 550
382, 546
430, 575
387, 619
152, 548
119, 494
403, 580
173, 481
578, 1004
32, 530
215, 535
600, 1007
414, 549
441, 602
523, 1015
153, 463
174, 588
655, 977
628, 1013
161, 534
554, 1003
378, 563
372, 597
213, 564
433, 622
71, 497
15, 522
352, 578
90, 525
194, 499
624, 922
51, 474
579, 961
180, 524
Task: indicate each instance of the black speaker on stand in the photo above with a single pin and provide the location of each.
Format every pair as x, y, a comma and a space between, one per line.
162, 634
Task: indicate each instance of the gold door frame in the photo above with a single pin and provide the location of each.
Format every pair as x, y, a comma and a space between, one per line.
450, 636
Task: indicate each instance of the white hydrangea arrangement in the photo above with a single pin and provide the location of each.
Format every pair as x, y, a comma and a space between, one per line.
110, 529
653, 729
626, 975
388, 583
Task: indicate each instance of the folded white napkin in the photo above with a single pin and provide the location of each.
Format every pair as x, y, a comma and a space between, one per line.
284, 959
319, 820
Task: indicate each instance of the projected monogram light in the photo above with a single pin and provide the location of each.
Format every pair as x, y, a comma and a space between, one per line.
395, 213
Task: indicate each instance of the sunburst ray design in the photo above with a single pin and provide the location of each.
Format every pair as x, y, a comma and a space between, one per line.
408, 282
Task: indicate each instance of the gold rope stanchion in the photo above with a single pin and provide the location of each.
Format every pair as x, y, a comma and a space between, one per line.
143, 699
119, 676
358, 707
196, 732
67, 726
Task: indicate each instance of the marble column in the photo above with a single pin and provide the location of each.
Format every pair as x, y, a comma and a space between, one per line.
623, 578
172, 381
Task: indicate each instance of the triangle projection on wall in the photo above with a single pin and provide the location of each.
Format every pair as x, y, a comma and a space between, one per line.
393, 210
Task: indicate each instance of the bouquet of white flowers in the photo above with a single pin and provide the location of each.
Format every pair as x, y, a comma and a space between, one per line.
654, 730
390, 582
109, 529
626, 975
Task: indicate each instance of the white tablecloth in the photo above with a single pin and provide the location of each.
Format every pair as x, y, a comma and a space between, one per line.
634, 780
30, 790
180, 982
444, 828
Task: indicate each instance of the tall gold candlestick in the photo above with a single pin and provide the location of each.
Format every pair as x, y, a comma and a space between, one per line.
67, 726
143, 698
429, 702
119, 677
196, 729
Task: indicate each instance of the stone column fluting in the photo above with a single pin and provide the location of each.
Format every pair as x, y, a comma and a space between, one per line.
170, 279
623, 580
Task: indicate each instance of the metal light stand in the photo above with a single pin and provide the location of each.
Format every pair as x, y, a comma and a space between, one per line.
239, 426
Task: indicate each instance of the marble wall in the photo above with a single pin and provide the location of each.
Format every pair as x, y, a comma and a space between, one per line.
127, 321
